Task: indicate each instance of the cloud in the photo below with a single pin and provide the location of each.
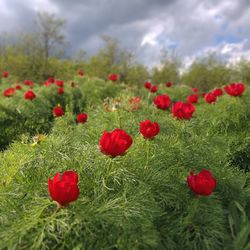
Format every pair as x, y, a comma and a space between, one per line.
190, 27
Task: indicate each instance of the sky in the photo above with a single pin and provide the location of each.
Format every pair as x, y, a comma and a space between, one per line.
190, 27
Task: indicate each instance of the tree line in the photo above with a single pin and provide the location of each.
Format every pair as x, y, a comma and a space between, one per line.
39, 54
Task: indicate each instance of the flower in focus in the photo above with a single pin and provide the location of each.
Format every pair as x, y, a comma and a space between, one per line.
149, 129
202, 183
64, 188
115, 143
162, 101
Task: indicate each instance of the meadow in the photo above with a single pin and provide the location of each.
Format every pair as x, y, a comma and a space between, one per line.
178, 181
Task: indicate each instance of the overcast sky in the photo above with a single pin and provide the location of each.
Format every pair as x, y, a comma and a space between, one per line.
191, 27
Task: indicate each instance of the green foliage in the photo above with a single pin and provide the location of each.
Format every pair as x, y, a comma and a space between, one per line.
138, 201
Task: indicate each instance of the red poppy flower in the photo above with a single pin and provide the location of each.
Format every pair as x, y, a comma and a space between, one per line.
58, 111
82, 118
18, 87
29, 95
235, 89
182, 110
202, 183
60, 90
28, 83
210, 98
192, 98
169, 84
154, 89
162, 101
64, 188
149, 129
59, 83
9, 92
113, 77
5, 74
217, 92
147, 85
115, 143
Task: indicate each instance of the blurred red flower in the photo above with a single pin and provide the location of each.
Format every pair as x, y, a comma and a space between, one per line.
162, 101
181, 110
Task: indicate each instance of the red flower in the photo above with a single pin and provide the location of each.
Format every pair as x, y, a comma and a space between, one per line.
154, 89
9, 92
80, 72
195, 90
210, 98
147, 85
60, 90
58, 111
59, 83
47, 83
5, 74
82, 118
115, 143
135, 102
29, 95
162, 101
51, 80
63, 188
203, 95
113, 77
202, 183
192, 98
18, 87
182, 110
169, 84
217, 92
235, 89
149, 129
28, 83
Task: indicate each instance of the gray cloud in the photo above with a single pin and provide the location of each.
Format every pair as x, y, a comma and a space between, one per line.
144, 26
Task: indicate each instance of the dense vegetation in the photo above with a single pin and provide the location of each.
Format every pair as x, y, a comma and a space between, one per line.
140, 200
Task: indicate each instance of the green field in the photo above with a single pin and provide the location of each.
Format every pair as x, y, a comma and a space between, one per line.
140, 200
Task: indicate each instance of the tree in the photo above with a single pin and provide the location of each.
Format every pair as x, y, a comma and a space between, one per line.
50, 32
169, 68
